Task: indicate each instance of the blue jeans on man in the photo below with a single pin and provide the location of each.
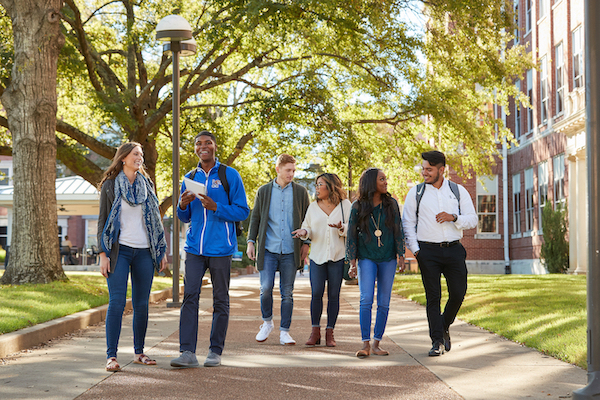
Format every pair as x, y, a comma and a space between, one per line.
195, 268
142, 274
284, 263
368, 272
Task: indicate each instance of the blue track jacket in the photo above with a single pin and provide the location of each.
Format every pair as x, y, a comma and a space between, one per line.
212, 233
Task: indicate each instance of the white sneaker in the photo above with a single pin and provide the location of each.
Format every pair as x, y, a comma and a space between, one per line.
265, 330
285, 339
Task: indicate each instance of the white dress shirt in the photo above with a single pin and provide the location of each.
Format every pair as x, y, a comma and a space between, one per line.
433, 202
326, 243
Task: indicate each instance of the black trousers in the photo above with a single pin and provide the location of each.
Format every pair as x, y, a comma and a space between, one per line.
433, 262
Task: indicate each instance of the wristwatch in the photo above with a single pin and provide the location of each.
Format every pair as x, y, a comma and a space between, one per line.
455, 217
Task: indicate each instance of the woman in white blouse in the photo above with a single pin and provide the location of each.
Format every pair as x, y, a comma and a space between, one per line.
325, 224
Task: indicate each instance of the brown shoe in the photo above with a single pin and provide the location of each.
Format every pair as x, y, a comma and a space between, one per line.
315, 336
329, 340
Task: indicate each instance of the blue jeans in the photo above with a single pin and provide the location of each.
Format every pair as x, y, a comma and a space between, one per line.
384, 273
142, 274
220, 275
287, 275
331, 272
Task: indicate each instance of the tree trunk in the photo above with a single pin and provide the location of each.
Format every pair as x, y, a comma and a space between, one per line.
30, 103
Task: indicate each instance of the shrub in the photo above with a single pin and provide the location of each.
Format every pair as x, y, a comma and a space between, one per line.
555, 249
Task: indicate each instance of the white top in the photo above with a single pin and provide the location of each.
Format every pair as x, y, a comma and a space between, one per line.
327, 243
433, 202
133, 230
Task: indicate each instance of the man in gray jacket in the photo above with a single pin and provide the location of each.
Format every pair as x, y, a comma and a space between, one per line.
279, 209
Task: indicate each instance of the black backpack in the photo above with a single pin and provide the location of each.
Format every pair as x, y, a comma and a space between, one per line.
421, 190
223, 177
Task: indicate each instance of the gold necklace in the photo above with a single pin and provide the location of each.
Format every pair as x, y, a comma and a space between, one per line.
377, 232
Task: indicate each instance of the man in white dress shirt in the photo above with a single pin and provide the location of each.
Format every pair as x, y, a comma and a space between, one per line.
433, 228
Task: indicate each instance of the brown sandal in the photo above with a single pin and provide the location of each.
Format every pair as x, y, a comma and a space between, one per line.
143, 359
379, 352
112, 365
363, 353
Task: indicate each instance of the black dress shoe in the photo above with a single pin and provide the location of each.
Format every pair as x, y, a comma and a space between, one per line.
447, 343
437, 349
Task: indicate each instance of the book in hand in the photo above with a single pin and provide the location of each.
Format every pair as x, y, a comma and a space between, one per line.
195, 187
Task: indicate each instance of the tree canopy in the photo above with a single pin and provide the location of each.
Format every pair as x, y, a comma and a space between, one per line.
359, 83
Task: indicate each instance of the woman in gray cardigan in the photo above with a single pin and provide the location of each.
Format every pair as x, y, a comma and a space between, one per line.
131, 238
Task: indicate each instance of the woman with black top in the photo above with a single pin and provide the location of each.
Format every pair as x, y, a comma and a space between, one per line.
131, 238
374, 249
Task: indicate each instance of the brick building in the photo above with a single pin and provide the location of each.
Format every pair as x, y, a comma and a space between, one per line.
551, 149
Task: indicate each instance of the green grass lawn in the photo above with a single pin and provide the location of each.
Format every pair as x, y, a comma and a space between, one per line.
545, 312
26, 305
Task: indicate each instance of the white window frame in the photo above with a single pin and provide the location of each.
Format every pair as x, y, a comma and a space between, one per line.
516, 12
529, 200
542, 191
528, 11
544, 95
518, 113
578, 74
558, 171
544, 6
560, 79
530, 96
487, 187
516, 203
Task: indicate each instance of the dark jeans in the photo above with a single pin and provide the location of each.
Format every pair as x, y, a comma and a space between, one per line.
433, 262
331, 272
195, 267
142, 274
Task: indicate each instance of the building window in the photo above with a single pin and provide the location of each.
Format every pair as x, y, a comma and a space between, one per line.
559, 179
530, 96
542, 189
4, 177
529, 199
91, 238
527, 16
517, 203
517, 113
578, 58
487, 197
543, 8
544, 88
516, 11
560, 79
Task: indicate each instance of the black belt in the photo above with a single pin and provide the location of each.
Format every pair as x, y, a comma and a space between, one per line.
442, 244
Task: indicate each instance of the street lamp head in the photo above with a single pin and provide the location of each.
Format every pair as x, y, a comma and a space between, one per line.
186, 48
173, 28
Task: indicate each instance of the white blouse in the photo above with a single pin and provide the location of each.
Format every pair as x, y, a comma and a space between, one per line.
327, 243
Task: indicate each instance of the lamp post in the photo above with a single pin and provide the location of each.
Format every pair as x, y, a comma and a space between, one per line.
177, 33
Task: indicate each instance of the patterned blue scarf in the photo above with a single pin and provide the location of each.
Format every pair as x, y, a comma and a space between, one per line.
140, 192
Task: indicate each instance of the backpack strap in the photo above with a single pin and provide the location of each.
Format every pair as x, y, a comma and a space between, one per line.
454, 188
222, 171
421, 191
223, 177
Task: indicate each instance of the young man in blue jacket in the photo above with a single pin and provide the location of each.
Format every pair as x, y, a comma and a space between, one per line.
210, 242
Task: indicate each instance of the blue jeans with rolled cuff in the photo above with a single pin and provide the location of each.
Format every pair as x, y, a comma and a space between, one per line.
285, 264
139, 262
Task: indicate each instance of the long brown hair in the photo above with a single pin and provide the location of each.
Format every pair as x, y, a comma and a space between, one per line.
334, 186
367, 186
117, 162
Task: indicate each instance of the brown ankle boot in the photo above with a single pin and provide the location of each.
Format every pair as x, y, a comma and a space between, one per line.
315, 337
329, 340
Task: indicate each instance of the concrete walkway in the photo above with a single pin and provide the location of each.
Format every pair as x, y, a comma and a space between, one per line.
481, 365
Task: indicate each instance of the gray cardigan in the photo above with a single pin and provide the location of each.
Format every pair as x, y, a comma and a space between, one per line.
257, 230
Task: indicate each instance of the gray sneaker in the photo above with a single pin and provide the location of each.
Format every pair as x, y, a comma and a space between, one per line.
212, 360
187, 359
